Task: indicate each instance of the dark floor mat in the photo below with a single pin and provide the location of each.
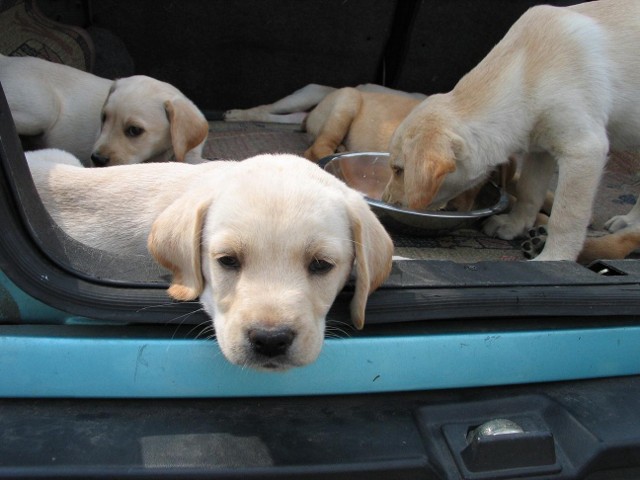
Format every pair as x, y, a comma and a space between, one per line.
240, 140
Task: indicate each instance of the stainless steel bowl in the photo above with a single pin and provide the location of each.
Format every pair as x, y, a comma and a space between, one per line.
369, 172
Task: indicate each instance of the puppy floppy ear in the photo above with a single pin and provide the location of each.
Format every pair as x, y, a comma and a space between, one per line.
189, 128
175, 241
373, 252
426, 167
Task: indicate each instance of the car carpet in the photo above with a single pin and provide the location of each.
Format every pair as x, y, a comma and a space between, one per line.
616, 195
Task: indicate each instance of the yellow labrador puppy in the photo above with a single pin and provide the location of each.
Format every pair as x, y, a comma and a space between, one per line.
294, 108
563, 86
266, 243
143, 119
354, 120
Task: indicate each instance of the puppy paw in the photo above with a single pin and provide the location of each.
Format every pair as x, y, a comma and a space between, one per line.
619, 222
504, 227
234, 116
537, 238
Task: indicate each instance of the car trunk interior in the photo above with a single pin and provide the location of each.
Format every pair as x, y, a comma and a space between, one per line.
227, 55
102, 375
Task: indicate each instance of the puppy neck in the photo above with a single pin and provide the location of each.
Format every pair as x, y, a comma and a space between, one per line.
491, 103
494, 133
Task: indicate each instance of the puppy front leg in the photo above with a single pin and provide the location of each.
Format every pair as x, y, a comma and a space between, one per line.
578, 180
531, 189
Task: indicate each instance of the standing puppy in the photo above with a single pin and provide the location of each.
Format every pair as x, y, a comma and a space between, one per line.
61, 107
563, 86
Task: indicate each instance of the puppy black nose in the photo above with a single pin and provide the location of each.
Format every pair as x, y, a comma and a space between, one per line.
270, 342
99, 160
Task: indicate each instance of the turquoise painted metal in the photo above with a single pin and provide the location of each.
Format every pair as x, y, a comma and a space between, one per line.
51, 354
45, 362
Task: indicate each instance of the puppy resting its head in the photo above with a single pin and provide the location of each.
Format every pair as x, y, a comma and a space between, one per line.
145, 120
267, 244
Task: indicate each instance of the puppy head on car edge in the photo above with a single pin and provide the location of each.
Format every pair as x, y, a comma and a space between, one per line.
266, 244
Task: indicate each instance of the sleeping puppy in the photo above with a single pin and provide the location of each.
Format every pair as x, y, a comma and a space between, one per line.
294, 108
561, 86
357, 121
58, 106
266, 243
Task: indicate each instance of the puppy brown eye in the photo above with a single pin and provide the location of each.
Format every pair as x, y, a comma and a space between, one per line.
318, 267
229, 262
397, 170
133, 131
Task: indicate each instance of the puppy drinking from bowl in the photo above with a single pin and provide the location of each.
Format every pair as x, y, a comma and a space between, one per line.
561, 86
266, 244
101, 122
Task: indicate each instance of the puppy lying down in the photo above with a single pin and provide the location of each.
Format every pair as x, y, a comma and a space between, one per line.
102, 122
266, 243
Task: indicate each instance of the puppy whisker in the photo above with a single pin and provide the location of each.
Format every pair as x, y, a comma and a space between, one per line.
184, 319
202, 325
338, 331
209, 331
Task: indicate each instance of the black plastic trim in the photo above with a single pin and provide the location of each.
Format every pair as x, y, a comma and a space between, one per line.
55, 269
406, 435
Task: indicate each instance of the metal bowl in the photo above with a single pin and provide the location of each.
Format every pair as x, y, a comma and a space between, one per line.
369, 173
